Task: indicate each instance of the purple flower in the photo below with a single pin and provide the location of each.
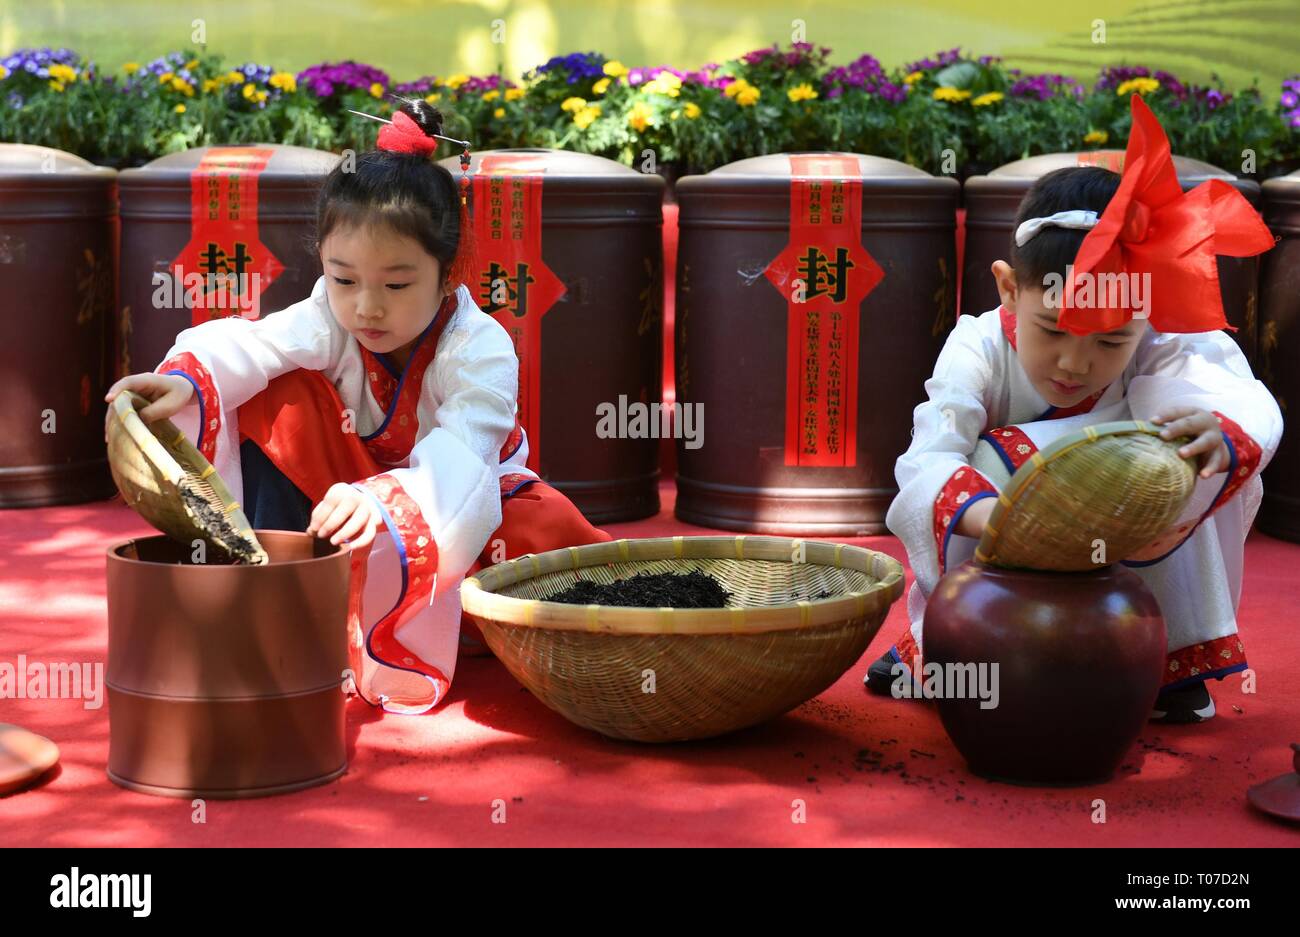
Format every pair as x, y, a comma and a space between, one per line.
1044, 87
945, 58
863, 74
576, 66
423, 85
15, 100
325, 79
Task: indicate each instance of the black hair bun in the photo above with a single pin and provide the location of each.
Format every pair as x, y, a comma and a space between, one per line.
427, 117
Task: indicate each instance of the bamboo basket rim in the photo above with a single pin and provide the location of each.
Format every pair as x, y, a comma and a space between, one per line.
986, 550
149, 442
480, 598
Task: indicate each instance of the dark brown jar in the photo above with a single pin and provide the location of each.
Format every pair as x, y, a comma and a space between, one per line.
57, 275
762, 462
591, 310
268, 206
1279, 352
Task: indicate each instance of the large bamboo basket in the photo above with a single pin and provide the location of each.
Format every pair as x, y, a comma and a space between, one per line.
666, 674
172, 486
1117, 484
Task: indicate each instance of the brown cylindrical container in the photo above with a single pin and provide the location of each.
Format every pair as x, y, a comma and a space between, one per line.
226, 681
56, 274
159, 225
601, 340
731, 344
992, 202
1079, 660
1279, 352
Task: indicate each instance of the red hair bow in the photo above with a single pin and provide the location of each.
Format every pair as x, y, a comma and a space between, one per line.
1152, 227
404, 135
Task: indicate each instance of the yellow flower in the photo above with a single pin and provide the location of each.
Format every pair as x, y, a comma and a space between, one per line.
492, 95
4, 73
601, 86
433, 98
63, 73
183, 86
499, 112
131, 67
692, 110
1096, 136
284, 81
233, 77
514, 94
615, 69
179, 108
260, 96
993, 97
803, 92
376, 90
165, 77
639, 117
455, 81
1140, 85
748, 97
210, 85
950, 94
191, 63
249, 91
913, 78
586, 116
56, 85
736, 87
664, 83
573, 104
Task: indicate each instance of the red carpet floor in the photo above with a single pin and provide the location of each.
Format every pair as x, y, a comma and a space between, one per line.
870, 771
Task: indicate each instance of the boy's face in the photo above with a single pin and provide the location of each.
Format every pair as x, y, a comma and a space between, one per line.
1064, 368
383, 287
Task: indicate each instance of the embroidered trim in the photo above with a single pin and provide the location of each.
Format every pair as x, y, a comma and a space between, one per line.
963, 488
189, 367
1216, 658
1012, 444
513, 483
418, 554
391, 444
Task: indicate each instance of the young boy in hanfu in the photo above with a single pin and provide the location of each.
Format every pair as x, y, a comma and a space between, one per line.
1059, 355
379, 412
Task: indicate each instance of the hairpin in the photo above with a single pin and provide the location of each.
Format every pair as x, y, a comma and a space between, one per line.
384, 120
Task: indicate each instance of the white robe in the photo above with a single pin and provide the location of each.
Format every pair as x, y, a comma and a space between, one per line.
979, 384
466, 410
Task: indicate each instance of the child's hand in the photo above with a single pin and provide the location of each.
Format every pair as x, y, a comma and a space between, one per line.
168, 393
347, 514
976, 517
1207, 435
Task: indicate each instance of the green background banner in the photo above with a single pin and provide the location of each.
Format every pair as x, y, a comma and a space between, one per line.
1240, 40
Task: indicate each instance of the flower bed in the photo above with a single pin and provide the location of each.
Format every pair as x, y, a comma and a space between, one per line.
950, 114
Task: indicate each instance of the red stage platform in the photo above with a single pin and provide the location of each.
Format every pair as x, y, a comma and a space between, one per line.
870, 771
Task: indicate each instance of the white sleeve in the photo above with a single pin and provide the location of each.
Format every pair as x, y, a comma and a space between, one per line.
1208, 371
453, 471
946, 429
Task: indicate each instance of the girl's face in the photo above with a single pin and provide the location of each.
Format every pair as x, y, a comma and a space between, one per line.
383, 287
1064, 368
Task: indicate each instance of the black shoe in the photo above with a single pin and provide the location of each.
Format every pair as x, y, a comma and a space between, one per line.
1185, 705
880, 675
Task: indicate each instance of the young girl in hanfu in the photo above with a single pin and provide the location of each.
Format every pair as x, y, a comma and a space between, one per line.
1158, 356
380, 412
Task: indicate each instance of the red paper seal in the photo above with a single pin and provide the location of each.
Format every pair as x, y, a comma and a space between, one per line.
824, 273
225, 267
514, 284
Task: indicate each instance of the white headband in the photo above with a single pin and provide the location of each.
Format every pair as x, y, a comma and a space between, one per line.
1075, 218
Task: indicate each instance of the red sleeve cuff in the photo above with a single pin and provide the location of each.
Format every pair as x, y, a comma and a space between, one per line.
419, 558
1244, 454
963, 488
188, 366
